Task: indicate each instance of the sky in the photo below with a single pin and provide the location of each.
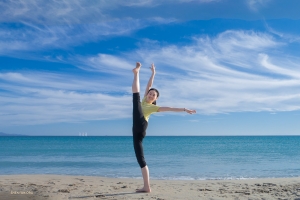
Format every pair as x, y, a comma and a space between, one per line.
65, 66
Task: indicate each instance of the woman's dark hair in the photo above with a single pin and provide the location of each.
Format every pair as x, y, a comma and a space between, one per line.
154, 102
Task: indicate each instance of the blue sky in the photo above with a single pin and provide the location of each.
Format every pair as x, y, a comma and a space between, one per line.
65, 66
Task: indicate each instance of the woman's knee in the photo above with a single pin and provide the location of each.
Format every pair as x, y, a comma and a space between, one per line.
142, 164
141, 160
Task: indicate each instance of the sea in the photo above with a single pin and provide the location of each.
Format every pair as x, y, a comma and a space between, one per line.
168, 157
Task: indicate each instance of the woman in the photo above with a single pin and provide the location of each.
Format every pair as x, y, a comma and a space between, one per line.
141, 113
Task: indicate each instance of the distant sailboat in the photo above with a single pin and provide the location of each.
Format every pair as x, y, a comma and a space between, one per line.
83, 134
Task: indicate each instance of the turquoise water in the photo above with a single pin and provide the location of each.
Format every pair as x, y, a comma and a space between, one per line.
203, 157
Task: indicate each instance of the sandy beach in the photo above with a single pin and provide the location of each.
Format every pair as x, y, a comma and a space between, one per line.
57, 187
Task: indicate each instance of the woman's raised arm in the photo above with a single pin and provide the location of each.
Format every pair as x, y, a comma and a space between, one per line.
150, 82
165, 109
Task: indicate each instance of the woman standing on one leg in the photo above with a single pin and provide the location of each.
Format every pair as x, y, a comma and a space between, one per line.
141, 113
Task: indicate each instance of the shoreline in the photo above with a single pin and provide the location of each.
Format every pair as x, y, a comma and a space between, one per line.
59, 187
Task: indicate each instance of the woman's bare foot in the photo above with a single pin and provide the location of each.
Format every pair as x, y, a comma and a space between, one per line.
145, 190
137, 68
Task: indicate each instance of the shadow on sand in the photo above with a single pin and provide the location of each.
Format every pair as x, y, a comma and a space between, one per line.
102, 195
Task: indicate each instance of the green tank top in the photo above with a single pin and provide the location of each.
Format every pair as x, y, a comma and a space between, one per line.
148, 108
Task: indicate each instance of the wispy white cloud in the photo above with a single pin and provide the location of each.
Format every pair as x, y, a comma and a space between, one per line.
235, 71
284, 34
255, 5
228, 75
105, 63
232, 72
42, 25
52, 12
153, 3
38, 98
29, 37
285, 71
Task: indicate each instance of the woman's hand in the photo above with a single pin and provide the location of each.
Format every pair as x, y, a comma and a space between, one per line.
138, 64
152, 68
190, 111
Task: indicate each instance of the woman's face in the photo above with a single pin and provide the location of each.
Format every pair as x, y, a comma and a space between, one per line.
151, 96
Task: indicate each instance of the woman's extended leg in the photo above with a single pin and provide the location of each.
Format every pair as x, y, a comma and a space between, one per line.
139, 128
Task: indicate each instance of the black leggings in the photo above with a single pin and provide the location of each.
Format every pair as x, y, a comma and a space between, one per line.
138, 129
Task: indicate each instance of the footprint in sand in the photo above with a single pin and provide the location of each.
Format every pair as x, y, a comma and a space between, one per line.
64, 190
